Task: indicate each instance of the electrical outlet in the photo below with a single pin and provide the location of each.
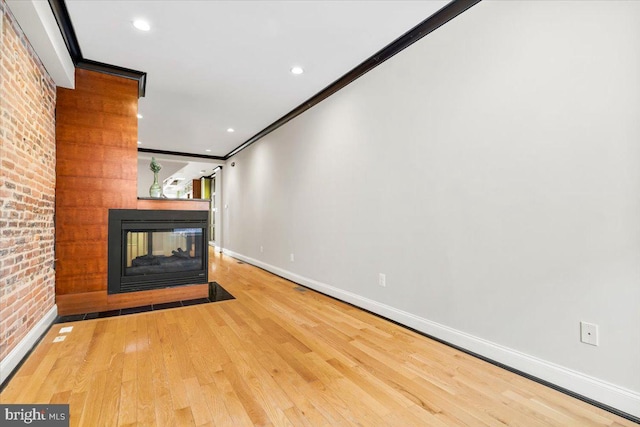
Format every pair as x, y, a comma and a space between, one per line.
382, 280
291, 258
261, 249
59, 338
589, 333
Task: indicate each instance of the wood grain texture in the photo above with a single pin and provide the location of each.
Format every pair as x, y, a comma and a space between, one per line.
276, 356
96, 143
197, 188
174, 205
96, 170
88, 302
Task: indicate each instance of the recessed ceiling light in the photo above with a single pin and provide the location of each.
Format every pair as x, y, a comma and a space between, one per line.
207, 150
231, 130
203, 171
297, 70
141, 25
139, 116
139, 143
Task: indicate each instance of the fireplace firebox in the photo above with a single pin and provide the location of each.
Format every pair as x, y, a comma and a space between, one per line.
154, 249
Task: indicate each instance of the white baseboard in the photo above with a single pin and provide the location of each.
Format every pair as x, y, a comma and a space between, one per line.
18, 353
593, 388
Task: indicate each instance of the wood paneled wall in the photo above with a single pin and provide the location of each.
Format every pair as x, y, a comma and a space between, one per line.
96, 170
96, 142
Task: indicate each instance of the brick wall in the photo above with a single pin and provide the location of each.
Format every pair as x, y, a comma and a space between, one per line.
27, 186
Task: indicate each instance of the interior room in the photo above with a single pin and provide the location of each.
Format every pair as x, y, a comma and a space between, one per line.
320, 213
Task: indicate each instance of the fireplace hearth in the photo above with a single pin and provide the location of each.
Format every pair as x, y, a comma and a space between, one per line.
155, 249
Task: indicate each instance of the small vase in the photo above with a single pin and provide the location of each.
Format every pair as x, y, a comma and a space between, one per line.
155, 190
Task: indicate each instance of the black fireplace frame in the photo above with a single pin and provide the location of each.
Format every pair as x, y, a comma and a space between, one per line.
123, 220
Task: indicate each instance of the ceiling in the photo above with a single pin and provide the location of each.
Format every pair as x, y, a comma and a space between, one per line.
215, 65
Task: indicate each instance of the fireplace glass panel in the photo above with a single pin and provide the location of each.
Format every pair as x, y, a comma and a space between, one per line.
163, 251
156, 249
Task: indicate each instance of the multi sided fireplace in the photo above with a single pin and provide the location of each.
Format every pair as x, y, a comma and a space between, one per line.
153, 249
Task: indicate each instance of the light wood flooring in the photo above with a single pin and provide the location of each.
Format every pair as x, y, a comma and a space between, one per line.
276, 356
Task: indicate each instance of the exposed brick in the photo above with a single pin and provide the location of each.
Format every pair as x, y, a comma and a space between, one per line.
27, 186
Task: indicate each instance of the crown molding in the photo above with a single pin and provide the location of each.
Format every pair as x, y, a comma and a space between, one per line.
61, 13
179, 153
435, 21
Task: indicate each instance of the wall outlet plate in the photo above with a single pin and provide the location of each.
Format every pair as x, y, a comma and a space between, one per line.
382, 280
589, 333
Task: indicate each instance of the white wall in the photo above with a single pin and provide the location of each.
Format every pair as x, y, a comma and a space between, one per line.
492, 172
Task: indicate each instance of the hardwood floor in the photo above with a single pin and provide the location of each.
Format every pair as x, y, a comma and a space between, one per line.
276, 356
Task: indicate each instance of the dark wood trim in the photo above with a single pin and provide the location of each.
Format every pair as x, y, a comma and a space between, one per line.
114, 70
441, 17
61, 13
178, 153
435, 21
